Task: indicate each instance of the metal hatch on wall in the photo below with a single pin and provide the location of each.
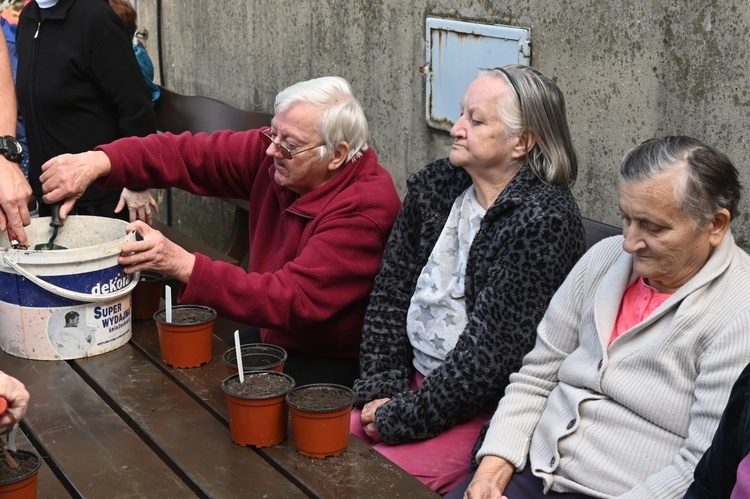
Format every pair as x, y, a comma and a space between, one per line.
455, 51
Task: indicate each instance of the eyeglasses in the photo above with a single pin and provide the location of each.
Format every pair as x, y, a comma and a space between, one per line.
285, 152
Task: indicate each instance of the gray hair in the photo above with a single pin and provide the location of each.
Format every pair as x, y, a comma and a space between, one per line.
709, 183
341, 119
537, 104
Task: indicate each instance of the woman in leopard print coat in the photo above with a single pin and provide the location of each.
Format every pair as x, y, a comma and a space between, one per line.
530, 236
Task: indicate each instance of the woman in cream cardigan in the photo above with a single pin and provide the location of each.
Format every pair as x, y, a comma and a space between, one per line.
639, 348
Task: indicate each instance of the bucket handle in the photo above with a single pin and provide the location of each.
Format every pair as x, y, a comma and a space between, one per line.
73, 295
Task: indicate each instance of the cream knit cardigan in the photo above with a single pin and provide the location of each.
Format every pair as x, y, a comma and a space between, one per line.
632, 420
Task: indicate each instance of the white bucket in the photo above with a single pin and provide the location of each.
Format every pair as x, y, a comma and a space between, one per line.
66, 304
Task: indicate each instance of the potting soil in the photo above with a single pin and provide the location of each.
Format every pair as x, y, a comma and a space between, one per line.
320, 398
27, 465
258, 385
187, 315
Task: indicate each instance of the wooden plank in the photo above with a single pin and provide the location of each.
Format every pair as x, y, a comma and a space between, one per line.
596, 231
47, 485
238, 246
358, 472
91, 445
243, 204
185, 432
204, 382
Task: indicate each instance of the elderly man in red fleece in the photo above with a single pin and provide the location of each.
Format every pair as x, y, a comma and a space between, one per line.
321, 208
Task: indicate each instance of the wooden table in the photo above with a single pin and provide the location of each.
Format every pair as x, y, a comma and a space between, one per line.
121, 424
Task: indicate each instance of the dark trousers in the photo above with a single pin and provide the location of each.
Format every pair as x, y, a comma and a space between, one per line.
309, 369
523, 485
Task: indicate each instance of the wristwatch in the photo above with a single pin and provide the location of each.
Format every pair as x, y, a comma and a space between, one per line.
11, 148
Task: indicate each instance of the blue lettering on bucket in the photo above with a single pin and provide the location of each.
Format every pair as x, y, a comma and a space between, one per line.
115, 284
18, 290
111, 316
100, 312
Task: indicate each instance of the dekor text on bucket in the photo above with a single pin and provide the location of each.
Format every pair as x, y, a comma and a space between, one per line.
114, 284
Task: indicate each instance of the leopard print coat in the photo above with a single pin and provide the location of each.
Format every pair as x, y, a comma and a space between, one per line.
528, 241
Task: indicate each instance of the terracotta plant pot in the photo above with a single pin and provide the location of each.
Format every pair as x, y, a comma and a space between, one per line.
256, 357
186, 341
258, 414
146, 297
20, 483
320, 418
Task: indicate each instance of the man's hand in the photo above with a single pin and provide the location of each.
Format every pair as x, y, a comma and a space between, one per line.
156, 253
139, 205
18, 399
15, 192
66, 177
491, 478
367, 419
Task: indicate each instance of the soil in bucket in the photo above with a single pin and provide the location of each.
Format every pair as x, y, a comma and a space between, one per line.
258, 414
186, 341
320, 418
256, 357
21, 482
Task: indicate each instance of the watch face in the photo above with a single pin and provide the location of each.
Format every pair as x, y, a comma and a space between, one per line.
11, 148
14, 147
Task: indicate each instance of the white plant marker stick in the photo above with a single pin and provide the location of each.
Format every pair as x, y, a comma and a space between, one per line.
239, 355
168, 301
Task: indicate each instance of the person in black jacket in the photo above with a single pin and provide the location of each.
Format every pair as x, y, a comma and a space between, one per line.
79, 86
724, 469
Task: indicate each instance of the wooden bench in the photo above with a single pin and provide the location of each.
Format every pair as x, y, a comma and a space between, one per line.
177, 113
596, 231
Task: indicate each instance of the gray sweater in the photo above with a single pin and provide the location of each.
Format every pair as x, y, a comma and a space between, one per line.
632, 420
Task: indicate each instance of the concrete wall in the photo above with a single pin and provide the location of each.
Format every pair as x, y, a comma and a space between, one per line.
630, 70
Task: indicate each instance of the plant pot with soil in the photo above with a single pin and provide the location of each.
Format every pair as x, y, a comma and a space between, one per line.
256, 357
258, 414
320, 418
18, 470
146, 297
186, 341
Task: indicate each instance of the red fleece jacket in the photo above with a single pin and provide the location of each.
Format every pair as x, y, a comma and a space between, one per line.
313, 258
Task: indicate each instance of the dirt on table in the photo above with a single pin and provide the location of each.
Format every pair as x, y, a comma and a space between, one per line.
320, 398
188, 315
259, 385
27, 465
